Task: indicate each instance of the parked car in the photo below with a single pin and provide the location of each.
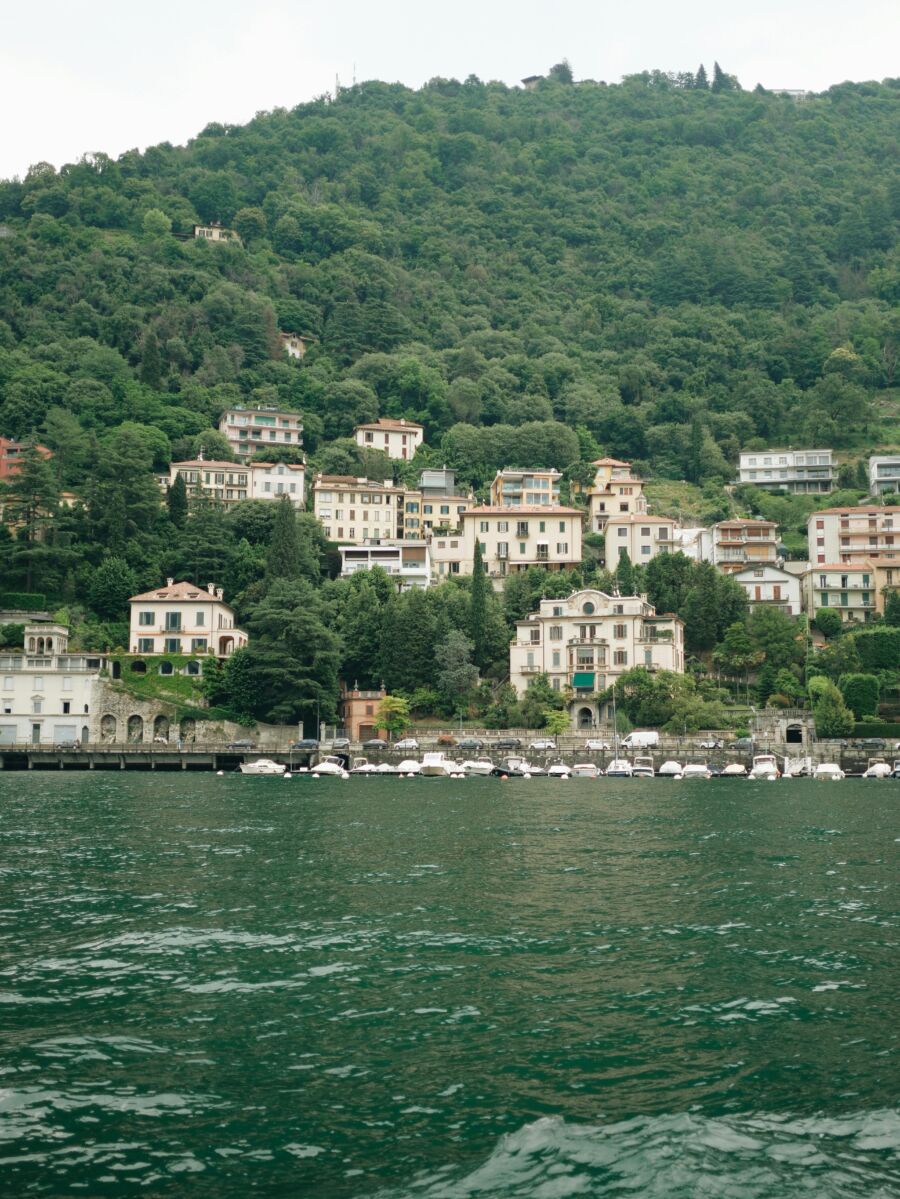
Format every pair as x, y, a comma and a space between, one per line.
306, 743
470, 743
340, 743
406, 743
870, 743
712, 743
375, 743
542, 743
740, 743
245, 744
596, 746
507, 743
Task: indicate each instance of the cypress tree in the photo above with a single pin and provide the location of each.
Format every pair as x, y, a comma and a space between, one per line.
625, 574
177, 502
151, 362
477, 607
700, 79
283, 558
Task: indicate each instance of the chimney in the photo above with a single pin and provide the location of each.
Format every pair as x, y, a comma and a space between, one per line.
211, 588
169, 582
220, 593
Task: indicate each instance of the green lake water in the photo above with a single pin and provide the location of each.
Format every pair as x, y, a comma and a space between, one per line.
453, 990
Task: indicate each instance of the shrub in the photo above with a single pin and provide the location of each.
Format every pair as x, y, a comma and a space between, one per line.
860, 692
879, 648
829, 622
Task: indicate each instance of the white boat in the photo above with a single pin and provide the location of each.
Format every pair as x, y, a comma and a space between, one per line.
619, 768
385, 768
670, 770
877, 769
642, 768
585, 770
521, 766
262, 766
765, 766
735, 770
436, 764
828, 770
797, 768
330, 767
478, 766
559, 770
409, 766
363, 766
696, 770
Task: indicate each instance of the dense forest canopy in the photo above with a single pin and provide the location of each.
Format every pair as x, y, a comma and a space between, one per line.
666, 270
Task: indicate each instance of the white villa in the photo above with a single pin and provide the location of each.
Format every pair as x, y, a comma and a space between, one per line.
233, 482
46, 690
396, 438
512, 539
182, 618
771, 586
583, 643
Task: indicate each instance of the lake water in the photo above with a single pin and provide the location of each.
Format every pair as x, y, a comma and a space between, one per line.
454, 990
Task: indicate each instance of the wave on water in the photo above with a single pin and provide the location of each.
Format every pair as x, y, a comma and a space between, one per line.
681, 1157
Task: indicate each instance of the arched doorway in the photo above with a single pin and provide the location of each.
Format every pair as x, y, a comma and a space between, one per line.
108, 729
793, 734
585, 718
161, 728
188, 729
139, 667
135, 729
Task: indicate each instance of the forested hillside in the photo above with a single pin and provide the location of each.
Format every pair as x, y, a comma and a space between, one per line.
657, 270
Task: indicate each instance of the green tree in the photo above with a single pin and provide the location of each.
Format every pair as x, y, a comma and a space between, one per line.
775, 635
360, 626
891, 608
833, 718
625, 574
393, 714
456, 674
861, 693
113, 583
556, 721
151, 361
156, 223
283, 560
478, 607
829, 622
561, 72
177, 502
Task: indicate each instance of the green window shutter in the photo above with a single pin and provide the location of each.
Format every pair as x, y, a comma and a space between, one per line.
583, 678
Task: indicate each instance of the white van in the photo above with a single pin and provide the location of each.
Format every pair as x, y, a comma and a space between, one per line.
640, 739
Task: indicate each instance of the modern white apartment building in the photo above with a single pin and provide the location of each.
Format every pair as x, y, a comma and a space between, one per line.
853, 534
396, 438
770, 586
802, 472
884, 474
182, 618
358, 510
252, 430
512, 539
615, 492
734, 544
850, 589
232, 482
407, 562
584, 643
641, 535
532, 488
46, 690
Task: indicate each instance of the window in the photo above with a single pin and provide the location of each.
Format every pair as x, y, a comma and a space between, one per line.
556, 658
620, 630
67, 707
483, 526
522, 529
645, 550
623, 532
8, 683
557, 610
542, 526
588, 609
37, 706
173, 645
618, 609
67, 682
39, 682
502, 549
620, 657
200, 619
502, 525
145, 645
562, 547
645, 532
173, 621
535, 636
522, 547
145, 618
198, 643
556, 632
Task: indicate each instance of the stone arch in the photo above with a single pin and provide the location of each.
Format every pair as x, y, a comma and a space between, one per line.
193, 668
161, 727
31, 645
585, 718
138, 666
48, 644
188, 728
166, 667
226, 645
135, 728
793, 734
40, 645
108, 729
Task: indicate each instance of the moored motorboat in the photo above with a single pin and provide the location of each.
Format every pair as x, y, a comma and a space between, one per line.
619, 768
363, 766
895, 773
696, 770
436, 764
670, 770
877, 768
828, 770
409, 766
642, 767
476, 766
330, 767
586, 770
735, 770
523, 767
559, 770
765, 766
262, 766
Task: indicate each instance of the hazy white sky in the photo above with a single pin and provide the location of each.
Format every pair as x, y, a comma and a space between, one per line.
87, 75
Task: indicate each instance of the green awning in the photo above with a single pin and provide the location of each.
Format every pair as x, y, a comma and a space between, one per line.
583, 678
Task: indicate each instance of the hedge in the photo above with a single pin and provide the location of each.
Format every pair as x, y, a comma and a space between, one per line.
876, 728
18, 600
878, 649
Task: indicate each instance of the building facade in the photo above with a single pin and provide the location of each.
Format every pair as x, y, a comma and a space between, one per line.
407, 562
851, 590
216, 232
735, 544
358, 510
532, 488
255, 430
802, 472
397, 438
232, 482
884, 474
512, 540
359, 713
772, 587
852, 535
182, 618
11, 456
615, 492
640, 535
584, 643
46, 690
294, 345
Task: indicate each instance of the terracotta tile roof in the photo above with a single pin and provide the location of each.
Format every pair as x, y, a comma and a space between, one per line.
175, 591
385, 424
639, 518
211, 464
609, 462
523, 510
870, 509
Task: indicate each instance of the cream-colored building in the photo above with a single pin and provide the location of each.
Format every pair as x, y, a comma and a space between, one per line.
46, 689
358, 510
216, 232
849, 589
615, 492
512, 540
182, 618
294, 345
584, 643
423, 513
255, 430
233, 482
735, 544
396, 438
772, 587
850, 535
532, 488
643, 537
